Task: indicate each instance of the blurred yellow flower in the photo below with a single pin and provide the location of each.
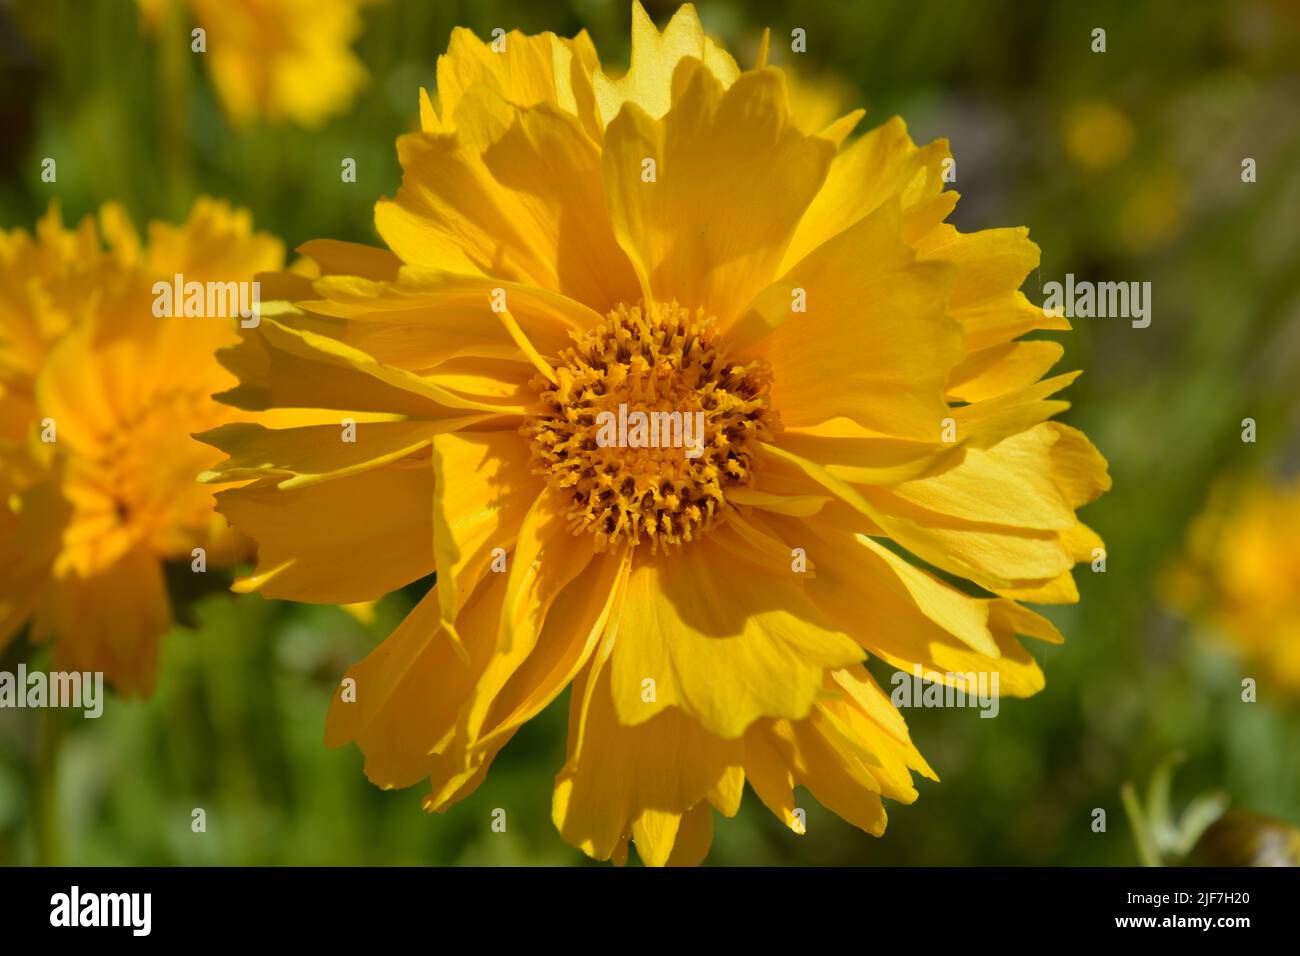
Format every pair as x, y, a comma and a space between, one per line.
1241, 574
1097, 134
277, 60
569, 250
98, 398
1154, 214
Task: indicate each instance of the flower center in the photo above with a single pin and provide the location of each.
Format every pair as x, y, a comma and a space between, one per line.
648, 425
132, 476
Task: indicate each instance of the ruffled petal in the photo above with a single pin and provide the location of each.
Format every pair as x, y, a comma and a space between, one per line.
692, 618
695, 233
482, 493
875, 325
641, 779
655, 56
377, 535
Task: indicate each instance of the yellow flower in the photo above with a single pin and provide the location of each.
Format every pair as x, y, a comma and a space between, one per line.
1097, 134
278, 59
564, 244
99, 398
1241, 574
1154, 214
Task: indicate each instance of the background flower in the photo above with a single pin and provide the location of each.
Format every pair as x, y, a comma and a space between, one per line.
276, 60
100, 396
1241, 576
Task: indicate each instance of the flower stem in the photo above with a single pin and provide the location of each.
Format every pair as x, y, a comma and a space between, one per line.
1137, 821
45, 797
174, 92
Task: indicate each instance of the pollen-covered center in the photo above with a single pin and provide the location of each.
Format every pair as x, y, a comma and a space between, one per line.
647, 426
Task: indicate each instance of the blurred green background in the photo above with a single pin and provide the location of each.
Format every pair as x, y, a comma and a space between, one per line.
1125, 165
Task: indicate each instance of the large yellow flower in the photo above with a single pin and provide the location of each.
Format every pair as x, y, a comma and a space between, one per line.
877, 474
98, 398
1241, 574
276, 60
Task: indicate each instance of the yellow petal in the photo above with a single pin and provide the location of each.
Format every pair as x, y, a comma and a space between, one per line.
694, 836
863, 697
835, 776
296, 368
1011, 483
641, 778
795, 505
428, 317
315, 453
383, 514
1008, 617
768, 770
485, 381
547, 558
886, 603
512, 194
991, 556
875, 324
726, 647
31, 531
1058, 590
781, 754
871, 760
1081, 541
111, 621
351, 258
1078, 468
879, 165
995, 556
482, 492
985, 423
581, 616
861, 456
1002, 369
385, 705
695, 234
992, 263
529, 70
574, 626
648, 81
216, 242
